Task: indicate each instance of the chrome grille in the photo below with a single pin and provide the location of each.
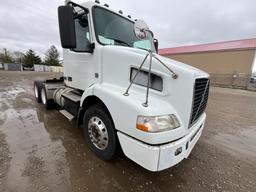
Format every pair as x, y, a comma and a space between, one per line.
201, 92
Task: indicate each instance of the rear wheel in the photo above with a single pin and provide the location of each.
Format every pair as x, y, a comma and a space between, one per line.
38, 85
48, 103
100, 133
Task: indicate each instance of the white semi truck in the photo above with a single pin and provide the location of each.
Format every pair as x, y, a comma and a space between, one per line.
123, 94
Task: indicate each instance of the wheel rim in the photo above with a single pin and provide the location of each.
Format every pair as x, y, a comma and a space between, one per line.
43, 96
98, 133
36, 91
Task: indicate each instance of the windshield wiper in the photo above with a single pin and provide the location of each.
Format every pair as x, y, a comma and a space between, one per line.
120, 41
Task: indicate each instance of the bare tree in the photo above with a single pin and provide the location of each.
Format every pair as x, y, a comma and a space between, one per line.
6, 57
18, 56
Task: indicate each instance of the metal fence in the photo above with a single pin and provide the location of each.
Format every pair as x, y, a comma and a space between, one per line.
237, 80
12, 66
46, 68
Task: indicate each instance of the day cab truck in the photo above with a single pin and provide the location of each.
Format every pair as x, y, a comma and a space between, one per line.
123, 94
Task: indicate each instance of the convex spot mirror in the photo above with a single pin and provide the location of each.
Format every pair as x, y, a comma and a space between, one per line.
140, 29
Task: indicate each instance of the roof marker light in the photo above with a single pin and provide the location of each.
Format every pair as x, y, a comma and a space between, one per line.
121, 12
97, 1
129, 16
106, 5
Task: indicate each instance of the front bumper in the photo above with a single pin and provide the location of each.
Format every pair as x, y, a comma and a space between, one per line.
160, 157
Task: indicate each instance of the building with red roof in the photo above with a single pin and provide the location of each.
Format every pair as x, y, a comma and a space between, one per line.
231, 59
223, 57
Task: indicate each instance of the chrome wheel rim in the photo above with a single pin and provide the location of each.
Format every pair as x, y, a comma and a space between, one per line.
98, 133
43, 96
36, 91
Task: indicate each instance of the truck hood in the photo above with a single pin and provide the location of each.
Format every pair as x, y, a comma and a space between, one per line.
177, 94
169, 62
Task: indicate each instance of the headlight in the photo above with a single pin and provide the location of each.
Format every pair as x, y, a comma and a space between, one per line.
157, 123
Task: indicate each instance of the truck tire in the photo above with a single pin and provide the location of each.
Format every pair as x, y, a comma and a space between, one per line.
38, 85
100, 133
48, 103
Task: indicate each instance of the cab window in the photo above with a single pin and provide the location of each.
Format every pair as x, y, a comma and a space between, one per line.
82, 34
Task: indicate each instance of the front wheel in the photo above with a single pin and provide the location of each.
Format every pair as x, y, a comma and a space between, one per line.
100, 133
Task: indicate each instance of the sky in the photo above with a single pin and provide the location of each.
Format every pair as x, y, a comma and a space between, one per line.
26, 24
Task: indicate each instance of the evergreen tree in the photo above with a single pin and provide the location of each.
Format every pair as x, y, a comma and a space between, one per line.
52, 57
30, 58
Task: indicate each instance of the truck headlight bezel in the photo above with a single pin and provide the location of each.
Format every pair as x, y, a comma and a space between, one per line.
156, 124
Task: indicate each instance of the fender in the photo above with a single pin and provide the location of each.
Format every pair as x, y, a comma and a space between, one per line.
124, 111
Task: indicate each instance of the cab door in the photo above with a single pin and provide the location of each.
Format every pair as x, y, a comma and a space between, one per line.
79, 62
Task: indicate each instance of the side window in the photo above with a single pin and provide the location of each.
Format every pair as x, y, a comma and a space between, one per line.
82, 34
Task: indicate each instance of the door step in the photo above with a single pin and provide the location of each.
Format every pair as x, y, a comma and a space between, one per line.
68, 115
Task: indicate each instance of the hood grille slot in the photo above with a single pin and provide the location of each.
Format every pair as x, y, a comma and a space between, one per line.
201, 93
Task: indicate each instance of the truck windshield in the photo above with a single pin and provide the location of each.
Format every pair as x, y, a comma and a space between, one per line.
113, 29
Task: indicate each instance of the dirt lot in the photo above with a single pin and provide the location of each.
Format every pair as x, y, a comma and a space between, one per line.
41, 151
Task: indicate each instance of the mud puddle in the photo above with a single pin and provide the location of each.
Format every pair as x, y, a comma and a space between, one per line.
40, 150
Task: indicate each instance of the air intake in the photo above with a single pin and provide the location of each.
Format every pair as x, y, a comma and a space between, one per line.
201, 92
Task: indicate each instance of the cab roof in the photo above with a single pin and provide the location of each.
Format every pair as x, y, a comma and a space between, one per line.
91, 4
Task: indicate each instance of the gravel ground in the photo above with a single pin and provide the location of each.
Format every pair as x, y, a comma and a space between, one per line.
42, 151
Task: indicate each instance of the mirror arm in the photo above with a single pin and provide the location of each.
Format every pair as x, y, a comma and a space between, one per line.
151, 33
91, 47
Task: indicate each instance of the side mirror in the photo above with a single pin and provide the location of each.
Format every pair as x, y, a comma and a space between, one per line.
156, 44
67, 27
